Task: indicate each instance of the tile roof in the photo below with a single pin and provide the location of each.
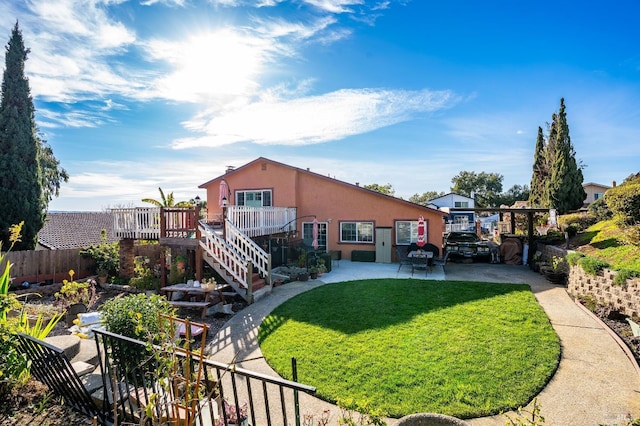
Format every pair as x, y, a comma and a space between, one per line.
65, 230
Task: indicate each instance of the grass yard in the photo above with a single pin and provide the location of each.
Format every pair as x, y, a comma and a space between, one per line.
396, 347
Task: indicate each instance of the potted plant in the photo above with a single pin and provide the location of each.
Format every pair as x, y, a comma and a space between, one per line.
557, 271
105, 255
322, 267
180, 262
313, 272
75, 297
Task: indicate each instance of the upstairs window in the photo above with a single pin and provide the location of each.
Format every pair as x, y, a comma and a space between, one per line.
260, 198
461, 204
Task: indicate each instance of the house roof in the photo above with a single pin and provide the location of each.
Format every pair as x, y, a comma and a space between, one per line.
66, 230
449, 195
318, 176
599, 185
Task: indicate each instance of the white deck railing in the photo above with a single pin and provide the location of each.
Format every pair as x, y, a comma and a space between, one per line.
458, 227
249, 249
230, 260
256, 221
141, 223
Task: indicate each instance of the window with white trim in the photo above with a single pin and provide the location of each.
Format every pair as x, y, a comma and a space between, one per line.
356, 232
461, 204
307, 234
259, 198
406, 232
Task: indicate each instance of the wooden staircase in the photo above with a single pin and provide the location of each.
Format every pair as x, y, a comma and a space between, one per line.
236, 268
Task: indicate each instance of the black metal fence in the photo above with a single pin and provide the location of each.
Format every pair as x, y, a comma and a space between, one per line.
226, 395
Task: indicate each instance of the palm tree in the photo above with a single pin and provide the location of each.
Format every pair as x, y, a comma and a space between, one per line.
167, 201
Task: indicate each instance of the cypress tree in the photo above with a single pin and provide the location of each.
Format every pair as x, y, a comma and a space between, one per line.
21, 178
540, 170
564, 184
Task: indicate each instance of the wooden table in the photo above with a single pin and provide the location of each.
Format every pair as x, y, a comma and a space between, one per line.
192, 297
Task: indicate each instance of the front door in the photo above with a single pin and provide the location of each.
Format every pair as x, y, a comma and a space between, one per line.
383, 245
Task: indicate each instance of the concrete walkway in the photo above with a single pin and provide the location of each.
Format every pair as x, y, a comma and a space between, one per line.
595, 384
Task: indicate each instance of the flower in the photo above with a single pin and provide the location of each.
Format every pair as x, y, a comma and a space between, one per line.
73, 292
15, 231
233, 414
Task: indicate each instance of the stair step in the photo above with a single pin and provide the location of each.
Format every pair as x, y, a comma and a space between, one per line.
69, 344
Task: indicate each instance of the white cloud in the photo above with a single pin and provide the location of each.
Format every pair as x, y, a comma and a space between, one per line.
334, 6
219, 63
313, 119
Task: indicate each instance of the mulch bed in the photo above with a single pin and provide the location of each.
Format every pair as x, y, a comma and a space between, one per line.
618, 323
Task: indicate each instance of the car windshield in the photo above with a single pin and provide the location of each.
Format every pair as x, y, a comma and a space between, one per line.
463, 237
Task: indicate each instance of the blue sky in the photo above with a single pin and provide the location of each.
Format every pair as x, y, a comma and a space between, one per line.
136, 95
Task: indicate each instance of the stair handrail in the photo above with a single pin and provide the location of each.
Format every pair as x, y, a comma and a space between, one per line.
249, 249
225, 255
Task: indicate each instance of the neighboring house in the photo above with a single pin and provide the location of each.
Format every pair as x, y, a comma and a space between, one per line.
67, 230
594, 191
456, 218
350, 218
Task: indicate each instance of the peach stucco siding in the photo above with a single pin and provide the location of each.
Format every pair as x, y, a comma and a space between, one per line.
330, 200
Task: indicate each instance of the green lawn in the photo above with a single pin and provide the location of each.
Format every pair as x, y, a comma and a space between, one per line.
398, 347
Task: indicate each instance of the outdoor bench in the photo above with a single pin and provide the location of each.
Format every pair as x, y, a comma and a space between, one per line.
198, 305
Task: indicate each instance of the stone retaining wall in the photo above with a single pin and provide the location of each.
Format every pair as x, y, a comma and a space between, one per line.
623, 298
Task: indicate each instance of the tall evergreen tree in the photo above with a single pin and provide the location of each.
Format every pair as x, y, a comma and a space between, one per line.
564, 189
557, 178
537, 196
29, 173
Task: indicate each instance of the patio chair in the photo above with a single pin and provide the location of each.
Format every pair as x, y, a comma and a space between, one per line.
441, 261
433, 249
419, 262
403, 259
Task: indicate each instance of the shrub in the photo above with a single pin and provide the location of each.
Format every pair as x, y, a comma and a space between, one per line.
631, 235
144, 277
599, 210
624, 201
106, 255
73, 292
623, 275
574, 257
135, 315
589, 302
592, 265
572, 230
580, 221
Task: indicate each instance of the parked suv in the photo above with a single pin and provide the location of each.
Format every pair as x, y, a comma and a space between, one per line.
466, 244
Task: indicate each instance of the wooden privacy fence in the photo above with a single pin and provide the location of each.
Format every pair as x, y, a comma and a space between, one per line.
53, 266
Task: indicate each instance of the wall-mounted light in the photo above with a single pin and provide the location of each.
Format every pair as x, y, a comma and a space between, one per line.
224, 201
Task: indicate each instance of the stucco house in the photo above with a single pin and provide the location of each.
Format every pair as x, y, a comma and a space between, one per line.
262, 214
456, 220
350, 217
594, 191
